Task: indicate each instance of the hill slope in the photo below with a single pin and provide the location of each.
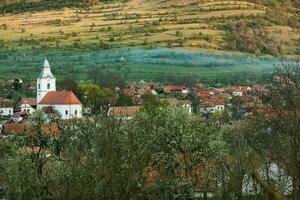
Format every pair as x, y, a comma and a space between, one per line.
259, 27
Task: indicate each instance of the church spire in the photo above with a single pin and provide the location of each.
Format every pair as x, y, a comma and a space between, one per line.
46, 71
46, 63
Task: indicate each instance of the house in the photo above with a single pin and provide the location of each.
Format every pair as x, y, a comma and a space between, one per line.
204, 94
6, 107
186, 104
241, 90
175, 89
125, 112
64, 102
20, 116
28, 105
209, 106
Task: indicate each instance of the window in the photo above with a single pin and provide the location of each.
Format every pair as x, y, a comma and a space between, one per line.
75, 112
9, 111
67, 112
48, 86
39, 86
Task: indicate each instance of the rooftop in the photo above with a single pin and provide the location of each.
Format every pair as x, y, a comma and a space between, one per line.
60, 98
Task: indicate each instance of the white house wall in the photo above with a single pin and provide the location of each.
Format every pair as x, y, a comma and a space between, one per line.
6, 111
71, 110
27, 108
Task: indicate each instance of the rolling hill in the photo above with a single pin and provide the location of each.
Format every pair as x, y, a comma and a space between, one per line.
258, 27
216, 25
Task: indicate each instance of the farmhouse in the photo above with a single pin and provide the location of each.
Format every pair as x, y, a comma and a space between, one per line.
27, 105
208, 106
175, 89
65, 102
6, 107
185, 104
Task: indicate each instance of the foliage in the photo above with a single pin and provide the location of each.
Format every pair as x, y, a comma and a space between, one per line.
96, 98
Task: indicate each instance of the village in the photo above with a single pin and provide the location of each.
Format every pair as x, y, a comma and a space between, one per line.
65, 105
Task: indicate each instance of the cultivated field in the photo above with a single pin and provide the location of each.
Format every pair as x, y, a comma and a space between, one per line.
177, 23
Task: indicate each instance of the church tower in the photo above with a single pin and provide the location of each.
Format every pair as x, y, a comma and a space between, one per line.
46, 82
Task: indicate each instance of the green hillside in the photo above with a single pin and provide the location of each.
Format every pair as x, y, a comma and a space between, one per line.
256, 27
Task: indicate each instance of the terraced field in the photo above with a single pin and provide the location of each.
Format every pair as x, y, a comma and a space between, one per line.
186, 24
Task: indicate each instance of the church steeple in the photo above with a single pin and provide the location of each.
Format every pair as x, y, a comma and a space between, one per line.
46, 71
46, 82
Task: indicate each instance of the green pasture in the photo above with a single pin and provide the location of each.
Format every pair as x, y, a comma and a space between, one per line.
132, 63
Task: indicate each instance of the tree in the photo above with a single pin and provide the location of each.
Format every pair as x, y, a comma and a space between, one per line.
105, 79
96, 98
69, 84
124, 100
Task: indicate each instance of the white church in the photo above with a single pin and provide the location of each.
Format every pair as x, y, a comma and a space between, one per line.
64, 102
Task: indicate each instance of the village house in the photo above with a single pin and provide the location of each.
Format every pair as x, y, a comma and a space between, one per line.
238, 90
175, 89
6, 107
185, 104
65, 102
209, 106
204, 94
28, 105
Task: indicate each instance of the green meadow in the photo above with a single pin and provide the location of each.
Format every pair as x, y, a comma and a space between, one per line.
133, 63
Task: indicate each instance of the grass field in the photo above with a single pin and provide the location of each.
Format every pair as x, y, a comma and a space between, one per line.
133, 63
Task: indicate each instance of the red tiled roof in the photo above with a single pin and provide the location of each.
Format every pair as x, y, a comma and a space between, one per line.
29, 101
212, 102
130, 91
124, 110
171, 88
61, 98
205, 94
6, 103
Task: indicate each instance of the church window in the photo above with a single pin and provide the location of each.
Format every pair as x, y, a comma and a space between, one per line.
48, 86
39, 86
67, 112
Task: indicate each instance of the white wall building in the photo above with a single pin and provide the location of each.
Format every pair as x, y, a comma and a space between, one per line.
6, 107
27, 105
212, 106
64, 103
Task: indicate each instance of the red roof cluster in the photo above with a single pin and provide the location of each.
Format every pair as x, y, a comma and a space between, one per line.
238, 89
60, 98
